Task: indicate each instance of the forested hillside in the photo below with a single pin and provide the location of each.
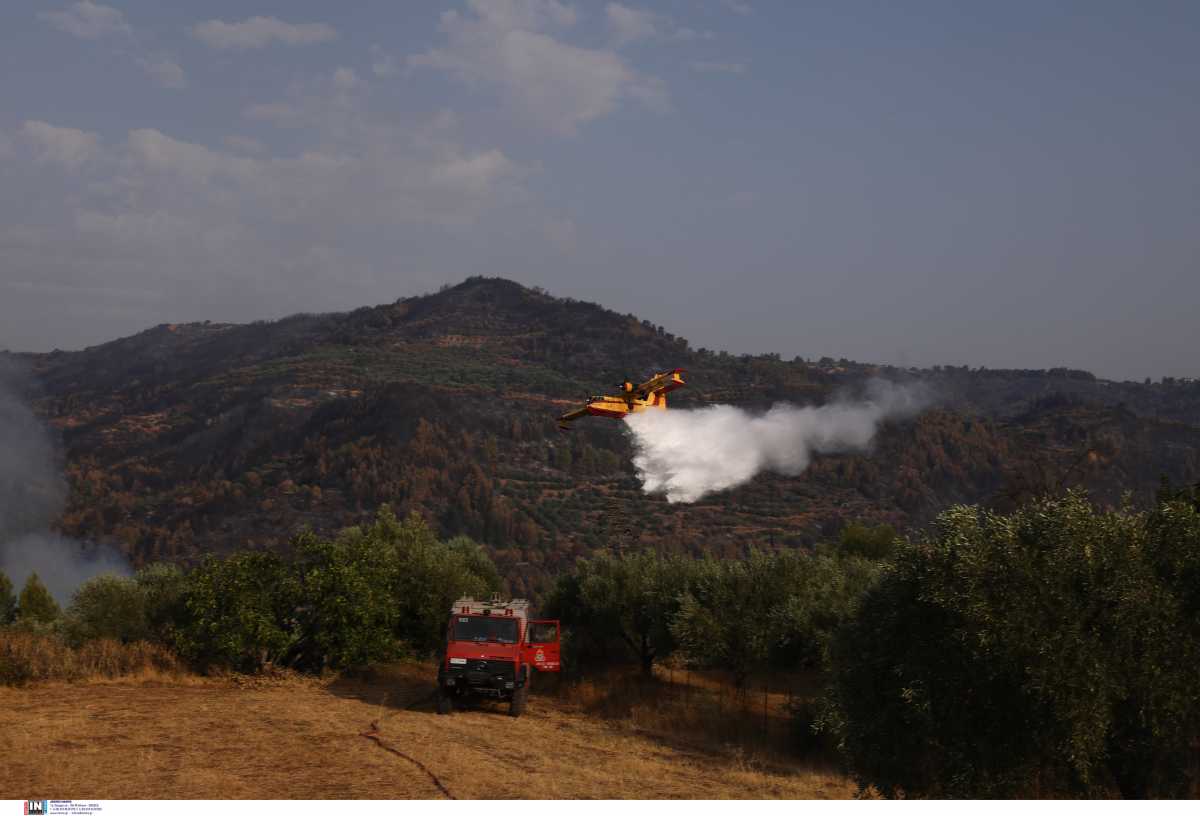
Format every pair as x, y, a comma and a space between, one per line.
197, 438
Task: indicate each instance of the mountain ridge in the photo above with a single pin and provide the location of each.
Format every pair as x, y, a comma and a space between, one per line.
204, 437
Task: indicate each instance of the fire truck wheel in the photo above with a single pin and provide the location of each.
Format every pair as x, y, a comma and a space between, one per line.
516, 706
444, 704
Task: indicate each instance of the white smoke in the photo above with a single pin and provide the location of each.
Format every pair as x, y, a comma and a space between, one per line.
61, 563
687, 454
32, 495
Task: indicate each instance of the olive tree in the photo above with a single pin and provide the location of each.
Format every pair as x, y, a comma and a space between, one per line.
730, 616
108, 606
430, 575
625, 601
1053, 650
240, 612
163, 586
347, 614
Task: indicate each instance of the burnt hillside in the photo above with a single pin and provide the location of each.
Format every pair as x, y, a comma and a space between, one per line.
186, 439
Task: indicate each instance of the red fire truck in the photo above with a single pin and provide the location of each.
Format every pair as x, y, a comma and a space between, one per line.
492, 650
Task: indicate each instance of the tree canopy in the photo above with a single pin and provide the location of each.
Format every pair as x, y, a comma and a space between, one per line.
36, 603
8, 600
1055, 649
624, 601
365, 595
109, 606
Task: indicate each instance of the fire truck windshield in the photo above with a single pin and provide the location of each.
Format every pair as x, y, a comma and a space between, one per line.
472, 627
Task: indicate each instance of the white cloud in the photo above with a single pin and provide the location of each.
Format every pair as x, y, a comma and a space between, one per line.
153, 150
736, 68
737, 6
88, 20
361, 207
165, 72
472, 174
629, 25
511, 46
59, 145
257, 32
335, 101
92, 21
193, 222
244, 144
383, 64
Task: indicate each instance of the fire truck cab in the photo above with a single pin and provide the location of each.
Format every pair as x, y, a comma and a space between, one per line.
492, 650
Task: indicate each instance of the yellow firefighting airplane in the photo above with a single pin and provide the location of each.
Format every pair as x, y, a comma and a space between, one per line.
650, 394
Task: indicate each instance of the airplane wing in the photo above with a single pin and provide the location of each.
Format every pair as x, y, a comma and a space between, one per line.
667, 381
571, 416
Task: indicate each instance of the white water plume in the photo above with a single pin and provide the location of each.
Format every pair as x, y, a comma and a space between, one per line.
687, 454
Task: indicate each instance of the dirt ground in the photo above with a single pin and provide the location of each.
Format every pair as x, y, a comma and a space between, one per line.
304, 739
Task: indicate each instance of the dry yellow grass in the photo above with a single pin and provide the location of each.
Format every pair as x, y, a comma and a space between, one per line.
296, 738
701, 707
27, 657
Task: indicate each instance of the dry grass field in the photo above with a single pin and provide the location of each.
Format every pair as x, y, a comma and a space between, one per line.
376, 737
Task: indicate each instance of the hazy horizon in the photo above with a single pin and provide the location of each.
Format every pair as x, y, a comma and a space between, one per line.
1009, 186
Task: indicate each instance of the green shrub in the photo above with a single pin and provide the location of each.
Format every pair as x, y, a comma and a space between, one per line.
875, 543
364, 596
36, 604
240, 613
729, 616
622, 604
824, 594
768, 610
163, 587
430, 576
347, 616
108, 606
1050, 652
8, 601
361, 597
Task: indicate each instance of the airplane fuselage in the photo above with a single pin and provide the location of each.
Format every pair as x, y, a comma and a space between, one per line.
651, 394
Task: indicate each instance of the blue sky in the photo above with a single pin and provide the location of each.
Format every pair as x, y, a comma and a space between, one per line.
1004, 184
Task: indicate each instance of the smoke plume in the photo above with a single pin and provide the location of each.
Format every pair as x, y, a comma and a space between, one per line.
32, 496
690, 453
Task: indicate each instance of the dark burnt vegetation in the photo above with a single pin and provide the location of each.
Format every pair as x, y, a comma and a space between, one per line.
204, 438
